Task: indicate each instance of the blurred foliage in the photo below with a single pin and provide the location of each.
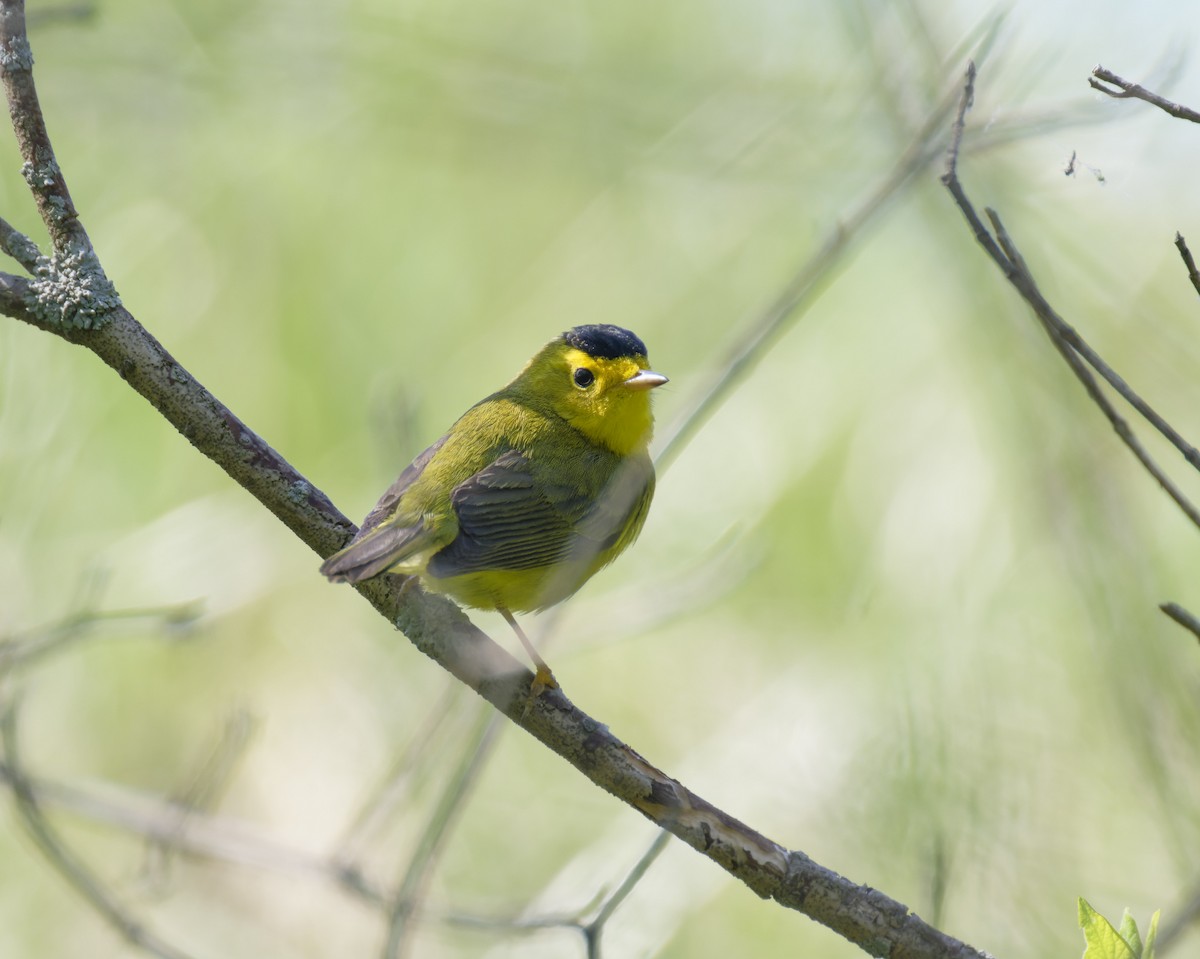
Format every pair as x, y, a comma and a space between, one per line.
895, 605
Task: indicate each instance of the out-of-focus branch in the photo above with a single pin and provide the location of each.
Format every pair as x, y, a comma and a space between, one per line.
198, 834
65, 862
593, 930
410, 895
1126, 89
202, 792
753, 342
22, 649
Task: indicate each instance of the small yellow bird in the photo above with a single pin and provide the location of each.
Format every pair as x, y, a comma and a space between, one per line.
531, 492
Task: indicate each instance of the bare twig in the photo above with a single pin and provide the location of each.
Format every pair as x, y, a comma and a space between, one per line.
1186, 254
595, 929
966, 100
16, 244
206, 835
410, 895
1126, 89
394, 789
1070, 345
65, 862
202, 792
64, 13
1185, 619
751, 345
22, 649
1182, 918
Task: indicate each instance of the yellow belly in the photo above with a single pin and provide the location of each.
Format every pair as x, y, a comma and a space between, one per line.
517, 590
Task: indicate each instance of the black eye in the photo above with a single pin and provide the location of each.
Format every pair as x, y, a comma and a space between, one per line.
584, 377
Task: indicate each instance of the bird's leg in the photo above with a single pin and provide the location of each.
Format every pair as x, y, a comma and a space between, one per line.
543, 679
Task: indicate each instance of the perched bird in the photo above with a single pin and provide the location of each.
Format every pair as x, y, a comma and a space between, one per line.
531, 492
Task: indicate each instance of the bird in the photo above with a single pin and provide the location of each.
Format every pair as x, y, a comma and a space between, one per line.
531, 492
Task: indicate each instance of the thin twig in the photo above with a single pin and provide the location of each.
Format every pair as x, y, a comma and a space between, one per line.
1180, 921
595, 929
1185, 619
22, 649
16, 244
1186, 254
387, 797
410, 896
809, 280
966, 100
1069, 344
207, 836
65, 862
1126, 89
65, 13
202, 792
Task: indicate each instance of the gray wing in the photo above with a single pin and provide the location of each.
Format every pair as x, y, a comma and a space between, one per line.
507, 521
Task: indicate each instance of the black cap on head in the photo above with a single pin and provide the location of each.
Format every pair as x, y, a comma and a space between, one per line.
605, 341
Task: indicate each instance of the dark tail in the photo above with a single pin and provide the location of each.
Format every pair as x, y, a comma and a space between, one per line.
379, 549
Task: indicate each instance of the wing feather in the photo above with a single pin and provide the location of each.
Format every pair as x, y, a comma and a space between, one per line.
508, 520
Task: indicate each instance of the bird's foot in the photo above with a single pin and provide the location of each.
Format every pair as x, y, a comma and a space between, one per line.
543, 679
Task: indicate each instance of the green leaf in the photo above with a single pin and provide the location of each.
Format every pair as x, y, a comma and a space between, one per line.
1151, 935
1103, 941
1129, 932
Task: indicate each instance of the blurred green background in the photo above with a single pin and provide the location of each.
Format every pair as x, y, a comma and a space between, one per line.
895, 606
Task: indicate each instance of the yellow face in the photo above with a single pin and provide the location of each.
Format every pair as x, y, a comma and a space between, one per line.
608, 400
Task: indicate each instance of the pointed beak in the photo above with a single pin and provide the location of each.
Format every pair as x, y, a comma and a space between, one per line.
645, 380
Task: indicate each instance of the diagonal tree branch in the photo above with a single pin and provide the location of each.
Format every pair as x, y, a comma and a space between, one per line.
72, 298
1075, 351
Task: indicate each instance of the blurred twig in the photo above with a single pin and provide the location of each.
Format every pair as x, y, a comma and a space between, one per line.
1126, 89
1070, 345
64, 13
394, 789
24, 648
595, 929
66, 863
763, 329
601, 909
1180, 920
206, 835
203, 791
411, 893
